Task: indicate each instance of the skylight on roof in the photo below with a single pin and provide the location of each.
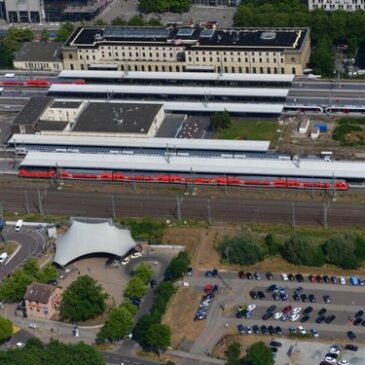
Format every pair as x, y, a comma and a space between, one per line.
185, 32
207, 33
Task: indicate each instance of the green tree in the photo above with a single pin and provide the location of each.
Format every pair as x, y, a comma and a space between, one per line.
136, 20
31, 267
100, 23
136, 288
118, 325
299, 251
259, 354
163, 294
154, 22
6, 329
83, 299
13, 288
233, 353
159, 336
65, 31
340, 250
118, 21
179, 265
44, 35
47, 274
141, 329
6, 56
241, 250
359, 249
272, 245
144, 272
220, 120
131, 308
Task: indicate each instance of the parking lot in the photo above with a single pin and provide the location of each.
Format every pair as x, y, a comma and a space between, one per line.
335, 319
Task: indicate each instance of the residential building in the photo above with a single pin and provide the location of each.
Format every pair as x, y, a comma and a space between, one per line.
39, 56
331, 5
42, 300
176, 49
217, 2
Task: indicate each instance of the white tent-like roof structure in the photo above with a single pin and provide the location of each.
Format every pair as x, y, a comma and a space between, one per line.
88, 236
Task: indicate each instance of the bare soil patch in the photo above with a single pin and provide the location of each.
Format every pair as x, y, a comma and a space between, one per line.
180, 316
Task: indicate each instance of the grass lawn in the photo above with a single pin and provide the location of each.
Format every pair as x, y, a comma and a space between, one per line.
251, 130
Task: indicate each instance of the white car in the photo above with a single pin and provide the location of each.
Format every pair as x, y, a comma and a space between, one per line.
314, 333
344, 362
251, 307
284, 276
334, 350
294, 317
301, 330
135, 255
296, 310
342, 280
18, 225
248, 330
278, 315
330, 360
3, 257
126, 260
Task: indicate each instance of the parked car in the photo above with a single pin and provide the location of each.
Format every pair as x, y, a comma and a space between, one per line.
269, 276
294, 317
304, 298
284, 276
241, 275
312, 278
208, 288
330, 318
327, 299
342, 280
319, 279
326, 279
271, 288
299, 278
296, 297
308, 310
287, 309
271, 308
261, 295
291, 277
305, 318
256, 329
215, 289
264, 330
320, 319
214, 273
296, 310
126, 260
275, 344
208, 274
135, 301
248, 276
312, 298
278, 315
278, 330
322, 311
357, 321
271, 330
251, 307
334, 280
153, 283
301, 330
135, 255
241, 329
257, 276
253, 294
351, 335
314, 333
267, 315
274, 349
360, 313
189, 271
351, 347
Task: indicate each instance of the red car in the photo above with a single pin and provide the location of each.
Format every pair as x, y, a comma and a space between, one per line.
241, 275
208, 288
312, 278
287, 309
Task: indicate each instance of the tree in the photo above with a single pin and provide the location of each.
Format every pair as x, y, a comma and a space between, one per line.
83, 299
6, 56
136, 288
340, 250
65, 31
178, 265
144, 272
273, 246
241, 250
47, 274
233, 353
153, 22
159, 336
259, 354
131, 308
100, 23
220, 120
13, 288
299, 251
118, 21
31, 267
6, 329
359, 249
141, 329
118, 325
44, 35
163, 294
136, 20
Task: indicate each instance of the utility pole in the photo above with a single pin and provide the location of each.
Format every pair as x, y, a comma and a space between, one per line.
26, 202
178, 205
209, 212
293, 215
40, 206
113, 208
325, 214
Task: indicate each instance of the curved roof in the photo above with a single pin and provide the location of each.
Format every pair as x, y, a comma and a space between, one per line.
85, 237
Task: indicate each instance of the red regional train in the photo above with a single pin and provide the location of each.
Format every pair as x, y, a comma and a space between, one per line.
177, 178
43, 83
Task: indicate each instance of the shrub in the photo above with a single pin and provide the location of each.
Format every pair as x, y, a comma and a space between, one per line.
241, 250
136, 288
178, 265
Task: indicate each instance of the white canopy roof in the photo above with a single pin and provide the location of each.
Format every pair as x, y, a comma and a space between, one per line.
87, 236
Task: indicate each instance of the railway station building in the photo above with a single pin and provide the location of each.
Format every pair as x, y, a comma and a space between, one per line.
189, 49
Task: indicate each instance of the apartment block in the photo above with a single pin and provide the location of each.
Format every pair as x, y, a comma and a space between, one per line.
331, 5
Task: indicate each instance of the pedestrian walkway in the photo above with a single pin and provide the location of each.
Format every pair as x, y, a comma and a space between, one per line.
194, 359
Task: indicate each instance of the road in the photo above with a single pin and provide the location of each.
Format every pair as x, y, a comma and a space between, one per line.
32, 244
222, 209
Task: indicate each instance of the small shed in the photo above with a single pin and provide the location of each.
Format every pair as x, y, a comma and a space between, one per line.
314, 133
303, 126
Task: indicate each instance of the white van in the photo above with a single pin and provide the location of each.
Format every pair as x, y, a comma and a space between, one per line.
3, 257
18, 225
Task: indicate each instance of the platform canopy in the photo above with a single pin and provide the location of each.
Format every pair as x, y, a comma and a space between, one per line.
91, 236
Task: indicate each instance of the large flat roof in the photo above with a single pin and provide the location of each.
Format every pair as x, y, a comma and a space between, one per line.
195, 37
165, 143
240, 166
117, 118
199, 76
31, 111
169, 90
